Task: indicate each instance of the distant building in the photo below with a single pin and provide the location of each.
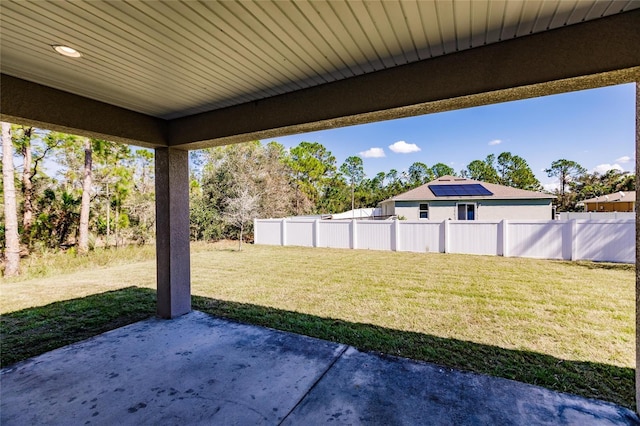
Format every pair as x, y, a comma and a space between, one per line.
450, 197
623, 201
361, 214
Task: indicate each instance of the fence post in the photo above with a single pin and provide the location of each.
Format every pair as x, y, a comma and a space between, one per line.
574, 239
505, 238
316, 233
395, 235
255, 231
354, 235
446, 235
284, 231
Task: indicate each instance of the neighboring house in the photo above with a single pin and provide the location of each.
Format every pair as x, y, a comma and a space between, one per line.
623, 201
450, 197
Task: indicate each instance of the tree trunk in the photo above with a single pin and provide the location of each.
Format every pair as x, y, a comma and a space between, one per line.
12, 239
115, 225
240, 239
27, 188
106, 238
83, 238
353, 200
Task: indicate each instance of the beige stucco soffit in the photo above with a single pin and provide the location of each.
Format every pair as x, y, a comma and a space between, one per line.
24, 102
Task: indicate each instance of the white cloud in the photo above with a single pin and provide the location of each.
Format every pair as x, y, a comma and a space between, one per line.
604, 168
372, 153
495, 142
624, 159
401, 147
551, 187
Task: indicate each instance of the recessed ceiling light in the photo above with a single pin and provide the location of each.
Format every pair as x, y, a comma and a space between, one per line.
66, 51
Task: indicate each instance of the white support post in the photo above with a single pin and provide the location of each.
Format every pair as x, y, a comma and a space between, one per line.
505, 238
284, 232
446, 235
316, 233
255, 231
574, 243
354, 234
395, 238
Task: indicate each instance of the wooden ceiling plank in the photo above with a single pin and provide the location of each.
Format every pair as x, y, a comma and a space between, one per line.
598, 8
419, 41
562, 13
446, 17
150, 56
366, 54
178, 39
512, 14
83, 73
333, 35
400, 30
479, 18
369, 28
528, 16
238, 64
295, 34
286, 46
249, 41
462, 22
495, 21
429, 18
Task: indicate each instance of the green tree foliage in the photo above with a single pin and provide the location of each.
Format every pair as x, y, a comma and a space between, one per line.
419, 174
566, 171
514, 171
11, 250
484, 171
591, 185
353, 169
441, 169
312, 167
231, 175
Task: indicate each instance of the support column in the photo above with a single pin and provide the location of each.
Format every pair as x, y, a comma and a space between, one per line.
637, 249
172, 233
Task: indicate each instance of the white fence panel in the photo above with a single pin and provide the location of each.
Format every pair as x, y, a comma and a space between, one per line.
611, 241
421, 236
335, 234
539, 239
300, 233
599, 240
598, 215
268, 232
475, 237
374, 235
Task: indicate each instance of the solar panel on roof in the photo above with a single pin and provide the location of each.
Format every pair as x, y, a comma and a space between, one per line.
472, 190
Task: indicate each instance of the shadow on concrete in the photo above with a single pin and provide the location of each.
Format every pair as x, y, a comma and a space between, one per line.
33, 331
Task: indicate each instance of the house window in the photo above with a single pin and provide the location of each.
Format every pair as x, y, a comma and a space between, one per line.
424, 211
466, 212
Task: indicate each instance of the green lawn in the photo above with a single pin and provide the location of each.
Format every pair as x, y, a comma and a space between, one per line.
566, 326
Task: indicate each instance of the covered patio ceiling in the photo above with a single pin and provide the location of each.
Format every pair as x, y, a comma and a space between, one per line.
189, 73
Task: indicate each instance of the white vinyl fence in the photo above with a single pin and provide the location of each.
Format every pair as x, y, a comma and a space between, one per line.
599, 240
597, 215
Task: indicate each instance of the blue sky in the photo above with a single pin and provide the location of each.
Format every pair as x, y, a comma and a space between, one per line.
595, 127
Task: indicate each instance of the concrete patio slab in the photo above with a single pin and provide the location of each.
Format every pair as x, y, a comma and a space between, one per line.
202, 370
363, 388
191, 370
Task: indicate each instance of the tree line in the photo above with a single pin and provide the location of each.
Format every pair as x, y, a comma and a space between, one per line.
70, 192
78, 193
